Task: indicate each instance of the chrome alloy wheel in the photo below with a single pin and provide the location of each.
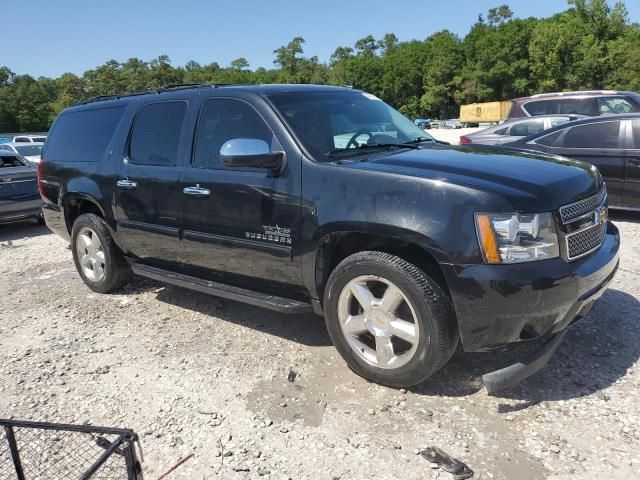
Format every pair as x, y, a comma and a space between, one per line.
378, 322
90, 254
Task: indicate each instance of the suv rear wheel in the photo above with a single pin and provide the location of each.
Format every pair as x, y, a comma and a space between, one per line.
389, 320
98, 260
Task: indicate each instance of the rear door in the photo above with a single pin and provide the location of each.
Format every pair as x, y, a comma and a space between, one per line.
601, 144
632, 182
148, 194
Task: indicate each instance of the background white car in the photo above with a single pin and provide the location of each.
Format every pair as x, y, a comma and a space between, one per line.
29, 139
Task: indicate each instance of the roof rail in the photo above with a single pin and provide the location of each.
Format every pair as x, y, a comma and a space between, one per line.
166, 88
577, 92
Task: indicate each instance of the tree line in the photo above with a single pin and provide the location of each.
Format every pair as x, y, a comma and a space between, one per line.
588, 46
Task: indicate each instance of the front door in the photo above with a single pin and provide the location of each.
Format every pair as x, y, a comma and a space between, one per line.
148, 194
602, 144
239, 221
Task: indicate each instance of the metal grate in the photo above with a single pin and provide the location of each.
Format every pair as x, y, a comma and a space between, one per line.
576, 210
585, 241
44, 451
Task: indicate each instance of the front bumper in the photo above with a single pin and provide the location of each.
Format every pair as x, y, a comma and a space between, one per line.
502, 304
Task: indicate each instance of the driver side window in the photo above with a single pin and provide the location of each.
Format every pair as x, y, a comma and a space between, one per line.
221, 120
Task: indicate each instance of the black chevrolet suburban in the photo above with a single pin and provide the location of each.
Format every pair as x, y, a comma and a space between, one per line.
314, 198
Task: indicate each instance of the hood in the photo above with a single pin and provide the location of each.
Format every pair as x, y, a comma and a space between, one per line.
532, 182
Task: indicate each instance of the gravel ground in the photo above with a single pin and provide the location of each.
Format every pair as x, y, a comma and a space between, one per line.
195, 374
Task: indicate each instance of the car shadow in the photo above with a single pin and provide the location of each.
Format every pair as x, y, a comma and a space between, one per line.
597, 351
18, 230
306, 329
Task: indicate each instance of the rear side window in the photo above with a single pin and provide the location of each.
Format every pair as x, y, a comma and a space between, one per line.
10, 161
525, 129
594, 135
156, 134
83, 136
576, 106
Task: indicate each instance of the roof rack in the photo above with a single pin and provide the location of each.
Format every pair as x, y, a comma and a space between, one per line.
577, 92
166, 88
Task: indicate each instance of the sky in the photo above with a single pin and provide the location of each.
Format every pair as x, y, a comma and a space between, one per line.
53, 37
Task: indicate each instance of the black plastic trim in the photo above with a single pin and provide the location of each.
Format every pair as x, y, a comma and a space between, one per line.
259, 299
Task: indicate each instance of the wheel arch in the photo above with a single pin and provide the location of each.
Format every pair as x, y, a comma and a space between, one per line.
76, 204
338, 245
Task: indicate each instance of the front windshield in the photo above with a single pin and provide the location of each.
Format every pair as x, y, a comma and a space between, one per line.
338, 125
29, 150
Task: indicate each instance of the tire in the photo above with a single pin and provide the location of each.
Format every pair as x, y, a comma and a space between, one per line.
106, 270
40, 219
426, 341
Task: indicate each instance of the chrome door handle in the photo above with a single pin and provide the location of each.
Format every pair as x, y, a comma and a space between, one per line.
196, 191
126, 183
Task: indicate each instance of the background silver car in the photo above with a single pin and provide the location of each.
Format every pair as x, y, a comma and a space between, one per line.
516, 129
29, 150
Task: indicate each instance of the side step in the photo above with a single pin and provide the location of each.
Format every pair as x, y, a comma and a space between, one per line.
259, 299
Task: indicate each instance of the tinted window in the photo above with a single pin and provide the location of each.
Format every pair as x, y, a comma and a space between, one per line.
222, 120
156, 134
580, 106
594, 135
636, 134
525, 129
82, 136
21, 139
10, 161
502, 131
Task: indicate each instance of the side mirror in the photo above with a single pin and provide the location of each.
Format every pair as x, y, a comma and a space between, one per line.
250, 153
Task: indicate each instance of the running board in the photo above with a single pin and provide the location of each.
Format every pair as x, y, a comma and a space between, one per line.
259, 299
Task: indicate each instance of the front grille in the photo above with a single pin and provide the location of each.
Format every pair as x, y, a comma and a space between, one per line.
576, 210
585, 241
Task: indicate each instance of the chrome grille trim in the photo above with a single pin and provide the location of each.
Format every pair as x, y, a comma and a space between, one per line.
585, 241
577, 210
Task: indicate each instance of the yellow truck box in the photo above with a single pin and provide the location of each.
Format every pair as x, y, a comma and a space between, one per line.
484, 112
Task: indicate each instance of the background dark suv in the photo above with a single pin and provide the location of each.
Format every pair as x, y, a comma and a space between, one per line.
590, 103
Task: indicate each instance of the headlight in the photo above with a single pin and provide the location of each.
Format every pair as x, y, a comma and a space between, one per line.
515, 238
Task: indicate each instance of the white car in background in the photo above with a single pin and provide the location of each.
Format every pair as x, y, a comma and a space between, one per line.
29, 139
32, 151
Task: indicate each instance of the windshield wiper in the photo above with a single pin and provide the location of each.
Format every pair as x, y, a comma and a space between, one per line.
427, 139
366, 146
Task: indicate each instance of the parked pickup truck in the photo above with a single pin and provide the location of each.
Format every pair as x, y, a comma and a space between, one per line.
405, 245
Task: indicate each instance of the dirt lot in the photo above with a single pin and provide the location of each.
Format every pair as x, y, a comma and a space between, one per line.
192, 373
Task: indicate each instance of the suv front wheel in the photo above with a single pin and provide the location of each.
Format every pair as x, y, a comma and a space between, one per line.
99, 261
391, 322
